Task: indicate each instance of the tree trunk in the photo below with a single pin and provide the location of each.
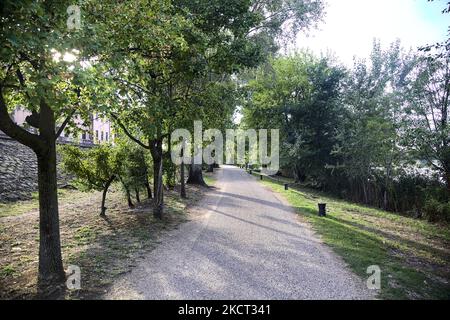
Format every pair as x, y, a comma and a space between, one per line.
210, 168
51, 272
156, 150
127, 192
158, 187
366, 199
138, 199
170, 168
149, 190
182, 175
130, 202
183, 184
105, 191
196, 175
447, 176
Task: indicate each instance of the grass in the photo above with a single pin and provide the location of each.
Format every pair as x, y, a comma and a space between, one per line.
24, 206
103, 248
8, 270
413, 254
209, 178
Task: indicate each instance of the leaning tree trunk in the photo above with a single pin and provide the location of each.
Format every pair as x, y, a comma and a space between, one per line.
127, 192
196, 175
130, 202
105, 191
138, 198
156, 151
149, 190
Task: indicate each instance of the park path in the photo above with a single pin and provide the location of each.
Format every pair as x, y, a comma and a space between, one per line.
243, 242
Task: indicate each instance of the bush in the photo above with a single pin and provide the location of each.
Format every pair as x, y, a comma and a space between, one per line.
435, 210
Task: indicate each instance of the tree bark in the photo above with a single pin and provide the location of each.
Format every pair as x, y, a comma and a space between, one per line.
138, 199
105, 191
447, 181
196, 175
149, 190
130, 202
157, 155
51, 276
183, 182
127, 192
182, 175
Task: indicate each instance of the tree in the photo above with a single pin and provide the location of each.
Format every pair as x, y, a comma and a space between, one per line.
35, 37
374, 99
135, 176
427, 120
94, 169
299, 95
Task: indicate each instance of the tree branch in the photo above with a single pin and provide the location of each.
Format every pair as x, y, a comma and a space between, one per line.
139, 142
64, 124
134, 86
16, 132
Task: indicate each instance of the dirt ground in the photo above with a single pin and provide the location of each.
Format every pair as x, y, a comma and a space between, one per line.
102, 248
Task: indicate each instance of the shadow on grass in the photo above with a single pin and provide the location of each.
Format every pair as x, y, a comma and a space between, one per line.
362, 247
121, 238
399, 239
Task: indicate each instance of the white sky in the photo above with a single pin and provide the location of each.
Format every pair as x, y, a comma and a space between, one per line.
350, 26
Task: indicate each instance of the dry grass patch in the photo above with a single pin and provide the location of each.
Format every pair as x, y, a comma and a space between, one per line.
102, 248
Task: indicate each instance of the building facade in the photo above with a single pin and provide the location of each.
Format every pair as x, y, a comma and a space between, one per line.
99, 130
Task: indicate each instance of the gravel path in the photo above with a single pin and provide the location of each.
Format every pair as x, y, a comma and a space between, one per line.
243, 242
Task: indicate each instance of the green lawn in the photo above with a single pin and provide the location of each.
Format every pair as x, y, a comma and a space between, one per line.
413, 254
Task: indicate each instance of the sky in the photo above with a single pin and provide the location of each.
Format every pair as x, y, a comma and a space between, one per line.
350, 26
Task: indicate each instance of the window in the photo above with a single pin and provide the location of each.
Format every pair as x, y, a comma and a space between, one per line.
83, 136
96, 134
101, 136
106, 136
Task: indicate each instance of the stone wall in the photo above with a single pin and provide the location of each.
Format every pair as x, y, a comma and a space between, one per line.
18, 171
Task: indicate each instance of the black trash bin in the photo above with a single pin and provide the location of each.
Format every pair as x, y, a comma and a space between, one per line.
322, 209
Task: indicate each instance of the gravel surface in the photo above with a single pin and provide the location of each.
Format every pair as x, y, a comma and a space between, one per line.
243, 242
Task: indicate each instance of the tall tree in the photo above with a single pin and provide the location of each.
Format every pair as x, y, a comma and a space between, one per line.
427, 121
38, 72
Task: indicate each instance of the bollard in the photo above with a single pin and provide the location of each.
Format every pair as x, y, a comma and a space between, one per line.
286, 186
250, 171
322, 209
261, 176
